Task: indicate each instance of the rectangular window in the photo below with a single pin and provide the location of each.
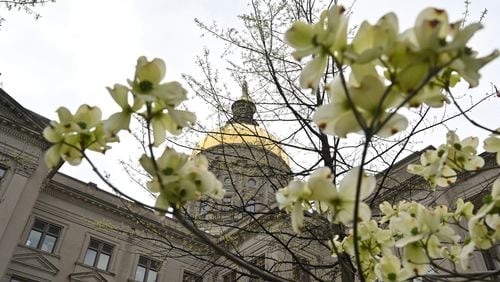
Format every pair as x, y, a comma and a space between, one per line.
260, 262
2, 172
43, 236
299, 274
98, 254
229, 277
147, 270
191, 277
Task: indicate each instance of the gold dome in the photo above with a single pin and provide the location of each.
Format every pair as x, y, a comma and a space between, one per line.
242, 133
242, 128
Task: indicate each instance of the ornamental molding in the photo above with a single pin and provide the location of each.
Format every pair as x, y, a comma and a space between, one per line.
20, 162
10, 108
173, 230
89, 276
35, 260
14, 129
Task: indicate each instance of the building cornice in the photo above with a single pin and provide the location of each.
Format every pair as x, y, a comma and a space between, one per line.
112, 204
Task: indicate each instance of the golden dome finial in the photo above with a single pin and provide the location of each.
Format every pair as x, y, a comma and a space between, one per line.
243, 109
244, 91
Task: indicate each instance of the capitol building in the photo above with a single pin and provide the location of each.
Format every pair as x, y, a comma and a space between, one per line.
54, 227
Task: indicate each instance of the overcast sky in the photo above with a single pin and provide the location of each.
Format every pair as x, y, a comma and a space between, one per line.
78, 47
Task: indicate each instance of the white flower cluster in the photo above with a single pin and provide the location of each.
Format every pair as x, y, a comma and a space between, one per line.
439, 167
492, 144
175, 178
389, 69
423, 235
179, 179
337, 203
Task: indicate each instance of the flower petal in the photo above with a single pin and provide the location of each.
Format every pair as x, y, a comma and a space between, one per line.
119, 93
349, 184
53, 156
313, 72
396, 124
153, 71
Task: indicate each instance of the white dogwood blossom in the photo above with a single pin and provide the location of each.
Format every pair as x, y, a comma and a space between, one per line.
174, 177
417, 64
433, 168
177, 179
389, 269
439, 167
292, 198
327, 37
367, 95
374, 242
435, 42
147, 84
121, 120
74, 134
492, 144
421, 232
161, 100
337, 202
462, 154
373, 41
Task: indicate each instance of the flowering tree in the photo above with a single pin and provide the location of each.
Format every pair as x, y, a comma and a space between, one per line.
390, 71
27, 6
363, 86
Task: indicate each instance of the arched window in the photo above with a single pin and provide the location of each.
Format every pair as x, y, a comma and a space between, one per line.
250, 206
226, 203
203, 207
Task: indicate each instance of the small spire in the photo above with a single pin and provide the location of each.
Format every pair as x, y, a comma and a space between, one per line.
244, 91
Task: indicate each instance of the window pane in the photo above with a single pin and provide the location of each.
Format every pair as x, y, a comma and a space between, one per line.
107, 249
155, 265
2, 172
54, 230
250, 207
33, 238
152, 276
90, 257
143, 261
140, 273
48, 243
94, 244
103, 261
40, 225
230, 277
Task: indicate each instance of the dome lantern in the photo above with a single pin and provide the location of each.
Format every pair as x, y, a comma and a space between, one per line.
244, 109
